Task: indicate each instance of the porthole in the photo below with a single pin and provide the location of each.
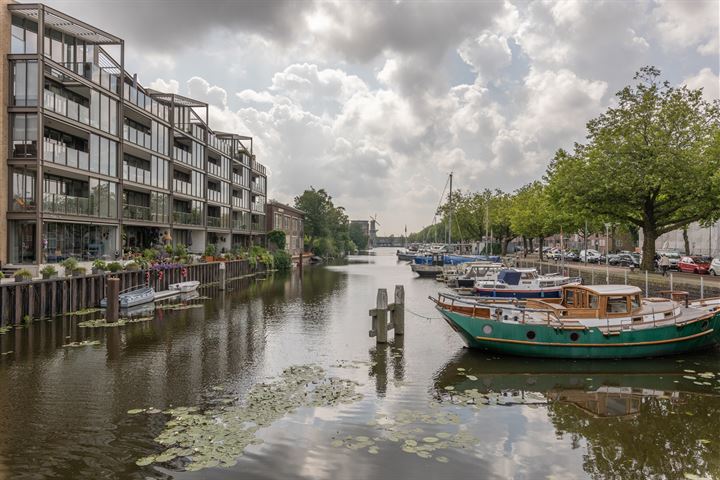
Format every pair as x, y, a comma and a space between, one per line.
574, 336
487, 329
705, 325
531, 334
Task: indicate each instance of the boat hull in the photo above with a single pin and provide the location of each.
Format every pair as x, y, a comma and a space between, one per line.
549, 342
430, 271
509, 293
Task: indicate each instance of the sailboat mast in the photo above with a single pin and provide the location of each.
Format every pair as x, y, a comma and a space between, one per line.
450, 214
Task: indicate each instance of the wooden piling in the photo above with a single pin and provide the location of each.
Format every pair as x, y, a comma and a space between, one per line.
397, 311
113, 300
379, 317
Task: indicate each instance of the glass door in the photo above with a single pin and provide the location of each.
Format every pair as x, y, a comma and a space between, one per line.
22, 243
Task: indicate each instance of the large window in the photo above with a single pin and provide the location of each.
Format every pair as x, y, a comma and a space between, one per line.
148, 172
103, 155
25, 83
24, 36
66, 196
189, 183
103, 112
81, 241
23, 189
24, 135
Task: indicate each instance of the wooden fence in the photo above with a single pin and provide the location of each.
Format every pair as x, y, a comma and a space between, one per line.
57, 296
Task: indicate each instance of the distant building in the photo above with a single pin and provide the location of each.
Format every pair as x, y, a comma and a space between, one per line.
289, 220
364, 225
702, 240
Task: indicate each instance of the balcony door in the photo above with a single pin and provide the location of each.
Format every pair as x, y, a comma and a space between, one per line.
22, 243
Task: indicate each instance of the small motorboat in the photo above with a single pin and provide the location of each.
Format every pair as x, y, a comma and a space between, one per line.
184, 287
138, 296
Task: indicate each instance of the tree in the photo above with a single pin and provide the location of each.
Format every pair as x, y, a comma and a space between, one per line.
276, 239
326, 225
650, 162
359, 238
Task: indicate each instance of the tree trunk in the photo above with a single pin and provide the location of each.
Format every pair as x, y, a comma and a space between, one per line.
648, 249
540, 242
686, 240
525, 246
504, 244
530, 241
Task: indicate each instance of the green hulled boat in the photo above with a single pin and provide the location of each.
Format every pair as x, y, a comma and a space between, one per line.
604, 321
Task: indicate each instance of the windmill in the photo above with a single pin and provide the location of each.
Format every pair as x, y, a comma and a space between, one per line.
372, 234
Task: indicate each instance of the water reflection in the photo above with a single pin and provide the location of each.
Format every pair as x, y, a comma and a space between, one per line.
387, 360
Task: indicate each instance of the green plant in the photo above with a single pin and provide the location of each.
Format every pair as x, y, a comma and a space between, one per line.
210, 250
114, 267
27, 319
48, 271
181, 250
169, 249
2, 275
100, 265
142, 263
132, 266
23, 274
79, 271
277, 238
282, 260
69, 264
149, 254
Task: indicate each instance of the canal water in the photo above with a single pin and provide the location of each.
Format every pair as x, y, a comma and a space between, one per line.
422, 407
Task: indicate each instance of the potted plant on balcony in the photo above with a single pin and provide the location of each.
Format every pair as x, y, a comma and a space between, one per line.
48, 271
23, 275
132, 266
114, 267
79, 271
69, 264
99, 266
210, 251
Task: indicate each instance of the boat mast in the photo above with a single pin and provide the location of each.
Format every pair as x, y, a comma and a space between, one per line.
450, 212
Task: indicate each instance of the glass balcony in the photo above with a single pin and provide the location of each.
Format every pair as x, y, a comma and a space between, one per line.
258, 167
257, 188
182, 187
95, 73
257, 207
182, 156
141, 212
67, 108
237, 202
187, 218
257, 227
213, 221
63, 155
140, 100
138, 137
67, 205
137, 175
23, 203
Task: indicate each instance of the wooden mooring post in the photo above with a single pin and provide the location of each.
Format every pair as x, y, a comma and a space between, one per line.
380, 324
113, 300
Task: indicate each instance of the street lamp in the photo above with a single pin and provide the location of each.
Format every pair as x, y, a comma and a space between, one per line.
607, 252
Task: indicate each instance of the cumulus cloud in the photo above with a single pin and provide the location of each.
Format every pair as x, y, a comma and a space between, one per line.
707, 80
487, 54
165, 86
693, 23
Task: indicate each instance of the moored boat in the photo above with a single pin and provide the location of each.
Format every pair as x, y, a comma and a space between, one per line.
184, 287
133, 298
602, 321
523, 283
432, 265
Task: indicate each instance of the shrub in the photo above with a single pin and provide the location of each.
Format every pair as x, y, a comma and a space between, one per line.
181, 250
48, 271
70, 264
142, 263
149, 254
23, 274
277, 238
210, 250
114, 267
282, 260
132, 266
99, 265
79, 271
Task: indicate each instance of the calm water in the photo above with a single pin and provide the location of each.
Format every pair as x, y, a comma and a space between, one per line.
65, 410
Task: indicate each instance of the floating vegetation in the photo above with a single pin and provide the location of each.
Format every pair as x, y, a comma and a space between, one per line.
7, 353
86, 311
4, 330
179, 306
101, 322
216, 437
85, 343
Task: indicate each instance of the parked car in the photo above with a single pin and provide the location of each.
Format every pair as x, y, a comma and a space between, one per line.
590, 256
673, 256
694, 264
715, 266
571, 256
624, 260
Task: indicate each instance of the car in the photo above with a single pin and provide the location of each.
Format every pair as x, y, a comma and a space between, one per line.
624, 260
590, 256
694, 264
715, 267
673, 256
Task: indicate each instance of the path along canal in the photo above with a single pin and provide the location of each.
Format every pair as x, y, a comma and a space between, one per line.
423, 406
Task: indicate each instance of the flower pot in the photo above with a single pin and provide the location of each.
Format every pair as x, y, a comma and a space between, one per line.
95, 271
78, 272
48, 276
23, 279
208, 258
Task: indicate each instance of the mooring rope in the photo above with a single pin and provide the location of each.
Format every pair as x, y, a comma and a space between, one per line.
422, 316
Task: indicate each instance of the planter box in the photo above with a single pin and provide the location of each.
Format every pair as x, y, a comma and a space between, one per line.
23, 279
49, 276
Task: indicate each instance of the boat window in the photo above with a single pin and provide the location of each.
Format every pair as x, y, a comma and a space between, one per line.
616, 305
636, 302
570, 298
593, 301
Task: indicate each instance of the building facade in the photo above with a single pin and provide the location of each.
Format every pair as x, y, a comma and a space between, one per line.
96, 164
289, 220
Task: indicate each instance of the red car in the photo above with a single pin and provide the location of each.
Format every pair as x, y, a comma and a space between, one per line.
695, 264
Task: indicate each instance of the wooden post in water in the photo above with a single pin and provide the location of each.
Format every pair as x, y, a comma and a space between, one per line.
397, 311
300, 262
113, 300
223, 276
379, 317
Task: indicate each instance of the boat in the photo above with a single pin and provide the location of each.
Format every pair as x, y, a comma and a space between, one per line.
132, 298
473, 271
523, 283
589, 322
432, 265
184, 287
406, 255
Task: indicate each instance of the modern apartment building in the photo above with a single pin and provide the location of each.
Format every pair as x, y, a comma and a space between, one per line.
95, 163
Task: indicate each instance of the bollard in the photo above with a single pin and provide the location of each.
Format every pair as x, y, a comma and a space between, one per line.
671, 282
113, 300
379, 317
223, 276
625, 277
397, 311
702, 288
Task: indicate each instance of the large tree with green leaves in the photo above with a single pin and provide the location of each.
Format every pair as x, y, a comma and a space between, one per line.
650, 161
325, 224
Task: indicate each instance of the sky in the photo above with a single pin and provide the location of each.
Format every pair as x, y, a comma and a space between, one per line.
377, 101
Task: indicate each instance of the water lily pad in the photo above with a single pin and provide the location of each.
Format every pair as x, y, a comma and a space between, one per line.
144, 461
442, 459
373, 450
135, 411
471, 377
449, 388
430, 439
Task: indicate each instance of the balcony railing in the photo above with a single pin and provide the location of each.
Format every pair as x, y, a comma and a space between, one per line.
137, 175
258, 167
23, 204
144, 102
95, 73
187, 218
240, 224
257, 227
63, 155
67, 108
138, 137
257, 207
257, 188
141, 212
237, 202
182, 156
182, 187
213, 221
67, 205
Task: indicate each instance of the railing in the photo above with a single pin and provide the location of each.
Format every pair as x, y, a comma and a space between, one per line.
257, 227
237, 202
257, 188
258, 167
240, 225
187, 218
63, 155
257, 207
213, 221
144, 102
218, 170
95, 73
67, 205
138, 137
137, 175
182, 186
66, 107
182, 156
23, 204
191, 129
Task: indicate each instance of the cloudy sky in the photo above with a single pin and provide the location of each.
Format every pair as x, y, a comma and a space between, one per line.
378, 101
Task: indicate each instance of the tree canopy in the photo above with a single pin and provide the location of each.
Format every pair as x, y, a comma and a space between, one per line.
326, 225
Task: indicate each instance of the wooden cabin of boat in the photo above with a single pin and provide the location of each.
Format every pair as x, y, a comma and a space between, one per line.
596, 301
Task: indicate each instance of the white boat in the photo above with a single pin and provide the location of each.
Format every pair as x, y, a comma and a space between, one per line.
184, 287
470, 272
132, 298
523, 283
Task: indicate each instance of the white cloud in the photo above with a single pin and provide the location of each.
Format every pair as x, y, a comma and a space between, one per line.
707, 80
169, 86
691, 23
200, 89
487, 54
